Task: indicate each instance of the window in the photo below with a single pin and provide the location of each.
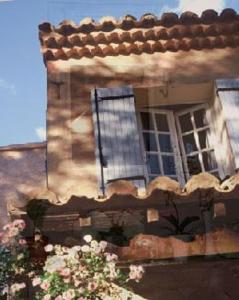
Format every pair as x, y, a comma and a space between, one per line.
160, 144
196, 141
177, 145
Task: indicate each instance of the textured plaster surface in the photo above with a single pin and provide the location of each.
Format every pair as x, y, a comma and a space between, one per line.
22, 175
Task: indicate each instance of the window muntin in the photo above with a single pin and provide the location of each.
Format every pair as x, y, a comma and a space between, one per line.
158, 132
195, 141
161, 141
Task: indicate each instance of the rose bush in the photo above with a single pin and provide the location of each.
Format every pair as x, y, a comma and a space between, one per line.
82, 272
13, 259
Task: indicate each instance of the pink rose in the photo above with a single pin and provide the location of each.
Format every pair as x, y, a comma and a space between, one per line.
22, 242
47, 297
59, 298
20, 224
66, 272
36, 281
92, 286
67, 280
111, 257
45, 285
7, 226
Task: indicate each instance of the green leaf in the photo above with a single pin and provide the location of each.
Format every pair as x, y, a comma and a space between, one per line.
187, 221
173, 220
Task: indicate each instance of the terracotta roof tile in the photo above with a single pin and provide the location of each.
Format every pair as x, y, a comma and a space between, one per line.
148, 34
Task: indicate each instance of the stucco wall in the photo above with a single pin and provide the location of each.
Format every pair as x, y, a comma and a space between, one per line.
71, 144
22, 175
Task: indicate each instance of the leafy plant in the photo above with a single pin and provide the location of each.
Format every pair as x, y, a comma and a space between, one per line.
13, 259
84, 272
179, 227
114, 235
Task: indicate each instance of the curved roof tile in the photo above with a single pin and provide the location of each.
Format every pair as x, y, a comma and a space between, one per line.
148, 34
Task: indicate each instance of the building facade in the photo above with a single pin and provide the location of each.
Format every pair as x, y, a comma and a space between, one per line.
139, 110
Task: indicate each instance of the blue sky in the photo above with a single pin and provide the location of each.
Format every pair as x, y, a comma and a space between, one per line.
22, 72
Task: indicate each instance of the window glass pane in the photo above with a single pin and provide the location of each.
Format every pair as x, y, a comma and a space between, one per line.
150, 141
189, 143
147, 121
153, 164
168, 165
194, 166
185, 122
162, 122
209, 160
200, 118
203, 139
165, 143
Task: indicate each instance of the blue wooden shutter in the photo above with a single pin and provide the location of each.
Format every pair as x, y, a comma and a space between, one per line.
118, 150
228, 92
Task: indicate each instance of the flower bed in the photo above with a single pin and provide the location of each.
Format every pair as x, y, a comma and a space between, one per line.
84, 272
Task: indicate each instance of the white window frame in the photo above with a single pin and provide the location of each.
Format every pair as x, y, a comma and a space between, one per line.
212, 138
174, 140
182, 172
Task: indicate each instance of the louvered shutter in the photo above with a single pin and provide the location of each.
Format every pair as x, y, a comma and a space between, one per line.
118, 150
228, 92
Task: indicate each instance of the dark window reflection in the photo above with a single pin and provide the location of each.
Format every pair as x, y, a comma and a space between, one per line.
162, 122
150, 141
194, 166
147, 121
185, 122
165, 143
203, 138
189, 143
200, 118
153, 164
168, 165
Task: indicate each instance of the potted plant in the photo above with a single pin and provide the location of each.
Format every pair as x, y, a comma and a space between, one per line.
178, 229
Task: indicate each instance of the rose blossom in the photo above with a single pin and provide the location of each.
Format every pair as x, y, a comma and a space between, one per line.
85, 248
48, 248
47, 297
136, 272
103, 245
87, 238
54, 263
36, 281
45, 285
16, 287
22, 242
111, 257
59, 298
7, 226
65, 272
68, 295
20, 224
67, 280
92, 286
13, 231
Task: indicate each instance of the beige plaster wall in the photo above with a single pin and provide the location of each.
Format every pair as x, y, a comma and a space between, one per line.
22, 175
71, 145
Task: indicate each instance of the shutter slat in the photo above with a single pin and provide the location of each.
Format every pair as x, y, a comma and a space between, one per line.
119, 135
230, 103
